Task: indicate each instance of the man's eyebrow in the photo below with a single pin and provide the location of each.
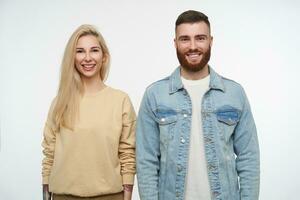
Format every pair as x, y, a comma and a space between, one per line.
183, 36
201, 35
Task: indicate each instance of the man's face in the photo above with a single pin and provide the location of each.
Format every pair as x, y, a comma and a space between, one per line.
193, 44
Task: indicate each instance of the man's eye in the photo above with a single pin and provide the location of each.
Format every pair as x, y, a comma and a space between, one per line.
201, 38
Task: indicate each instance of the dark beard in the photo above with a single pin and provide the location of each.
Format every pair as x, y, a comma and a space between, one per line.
190, 67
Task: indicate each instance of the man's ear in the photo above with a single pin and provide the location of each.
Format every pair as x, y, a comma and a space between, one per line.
211, 41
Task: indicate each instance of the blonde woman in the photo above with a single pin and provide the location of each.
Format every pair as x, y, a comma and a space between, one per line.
89, 139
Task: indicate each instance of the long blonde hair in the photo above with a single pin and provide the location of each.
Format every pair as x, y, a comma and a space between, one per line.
66, 107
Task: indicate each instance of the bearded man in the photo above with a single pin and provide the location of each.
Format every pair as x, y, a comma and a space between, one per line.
196, 137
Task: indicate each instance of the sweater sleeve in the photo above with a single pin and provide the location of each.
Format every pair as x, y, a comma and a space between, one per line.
127, 142
48, 145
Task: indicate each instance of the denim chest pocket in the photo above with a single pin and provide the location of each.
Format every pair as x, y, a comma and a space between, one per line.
228, 117
166, 119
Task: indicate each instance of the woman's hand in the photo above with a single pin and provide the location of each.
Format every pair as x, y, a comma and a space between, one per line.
46, 193
127, 191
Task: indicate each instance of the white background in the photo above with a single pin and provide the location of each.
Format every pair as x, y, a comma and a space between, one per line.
256, 43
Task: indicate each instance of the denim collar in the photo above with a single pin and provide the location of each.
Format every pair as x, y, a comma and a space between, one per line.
216, 81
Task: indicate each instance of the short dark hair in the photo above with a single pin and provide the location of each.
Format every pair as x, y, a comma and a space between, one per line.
191, 16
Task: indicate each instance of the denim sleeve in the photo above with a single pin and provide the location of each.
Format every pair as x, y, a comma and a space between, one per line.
147, 152
247, 151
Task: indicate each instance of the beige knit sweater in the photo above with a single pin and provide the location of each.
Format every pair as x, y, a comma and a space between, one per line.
98, 156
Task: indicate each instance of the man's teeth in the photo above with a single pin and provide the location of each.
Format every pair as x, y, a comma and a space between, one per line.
193, 55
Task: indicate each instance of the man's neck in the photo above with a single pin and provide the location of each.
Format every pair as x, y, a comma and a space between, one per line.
189, 75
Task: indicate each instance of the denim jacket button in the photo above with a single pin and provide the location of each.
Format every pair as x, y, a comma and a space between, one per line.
216, 193
207, 140
182, 140
179, 168
211, 167
184, 115
162, 119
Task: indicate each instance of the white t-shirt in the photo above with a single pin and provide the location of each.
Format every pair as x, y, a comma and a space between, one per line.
197, 183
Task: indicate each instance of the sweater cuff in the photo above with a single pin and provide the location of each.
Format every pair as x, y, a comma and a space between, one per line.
45, 180
128, 179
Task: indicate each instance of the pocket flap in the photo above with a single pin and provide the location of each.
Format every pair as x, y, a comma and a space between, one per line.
228, 115
167, 119
165, 116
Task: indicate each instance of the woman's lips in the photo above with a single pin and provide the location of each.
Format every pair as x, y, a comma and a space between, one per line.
88, 67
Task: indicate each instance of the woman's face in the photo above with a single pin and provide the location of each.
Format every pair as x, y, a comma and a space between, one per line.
89, 57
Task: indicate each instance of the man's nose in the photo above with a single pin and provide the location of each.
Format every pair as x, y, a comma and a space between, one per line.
193, 44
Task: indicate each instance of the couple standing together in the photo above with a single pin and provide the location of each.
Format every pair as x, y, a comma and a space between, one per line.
194, 137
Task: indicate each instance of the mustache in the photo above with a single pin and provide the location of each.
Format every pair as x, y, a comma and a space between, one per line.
194, 51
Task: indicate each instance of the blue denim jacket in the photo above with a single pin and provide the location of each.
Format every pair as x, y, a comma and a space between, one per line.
230, 140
